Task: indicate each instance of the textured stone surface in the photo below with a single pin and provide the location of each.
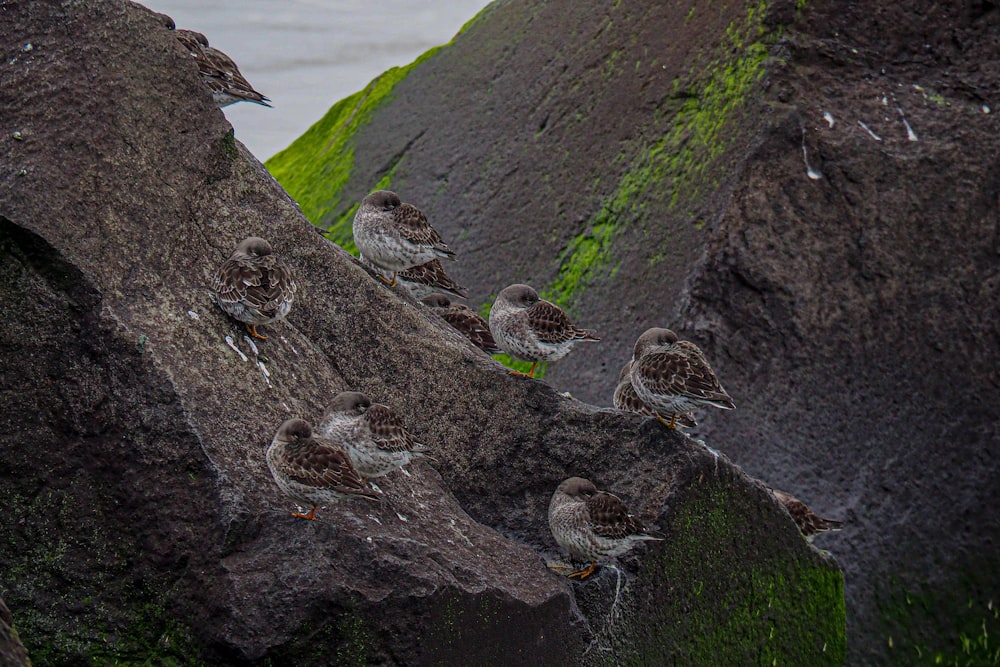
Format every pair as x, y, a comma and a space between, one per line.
12, 653
646, 165
140, 521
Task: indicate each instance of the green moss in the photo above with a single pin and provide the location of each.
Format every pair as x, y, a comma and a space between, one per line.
749, 604
345, 639
955, 624
355, 640
229, 145
50, 570
679, 166
474, 20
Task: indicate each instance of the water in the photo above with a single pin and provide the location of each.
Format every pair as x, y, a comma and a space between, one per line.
308, 54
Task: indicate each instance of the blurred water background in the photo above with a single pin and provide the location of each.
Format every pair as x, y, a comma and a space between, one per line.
308, 54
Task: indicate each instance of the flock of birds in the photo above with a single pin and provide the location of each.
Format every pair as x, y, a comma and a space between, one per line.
357, 440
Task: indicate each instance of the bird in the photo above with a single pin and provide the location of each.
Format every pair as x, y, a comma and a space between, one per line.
430, 278
395, 236
627, 400
312, 470
254, 285
672, 376
593, 525
371, 433
809, 523
219, 72
532, 329
425, 279
463, 319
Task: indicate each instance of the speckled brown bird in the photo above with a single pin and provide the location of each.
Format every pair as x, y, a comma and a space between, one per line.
463, 319
532, 329
395, 236
371, 433
430, 278
312, 470
219, 72
254, 285
672, 376
627, 400
593, 525
809, 523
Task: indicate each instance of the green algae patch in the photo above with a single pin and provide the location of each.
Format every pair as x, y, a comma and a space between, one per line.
681, 167
964, 611
751, 603
70, 592
346, 639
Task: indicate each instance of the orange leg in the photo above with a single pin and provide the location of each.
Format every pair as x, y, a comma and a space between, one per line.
529, 374
584, 573
252, 330
672, 424
390, 283
311, 516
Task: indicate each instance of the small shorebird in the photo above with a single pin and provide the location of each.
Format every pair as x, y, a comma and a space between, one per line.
532, 329
395, 236
672, 376
593, 525
254, 285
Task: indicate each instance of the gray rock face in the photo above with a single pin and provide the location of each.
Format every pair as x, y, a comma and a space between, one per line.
140, 520
814, 204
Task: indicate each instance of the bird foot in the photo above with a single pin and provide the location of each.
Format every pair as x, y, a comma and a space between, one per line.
311, 516
389, 283
584, 573
672, 424
252, 330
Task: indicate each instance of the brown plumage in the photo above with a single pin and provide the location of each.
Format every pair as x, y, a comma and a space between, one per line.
254, 285
414, 227
311, 469
430, 278
808, 522
219, 72
592, 525
463, 319
395, 236
532, 329
627, 400
372, 434
672, 376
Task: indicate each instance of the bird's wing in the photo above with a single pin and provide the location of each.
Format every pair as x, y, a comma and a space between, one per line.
550, 323
322, 465
388, 432
609, 517
680, 371
471, 325
413, 227
433, 274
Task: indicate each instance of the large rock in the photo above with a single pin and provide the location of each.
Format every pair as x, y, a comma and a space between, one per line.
12, 653
807, 190
141, 523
